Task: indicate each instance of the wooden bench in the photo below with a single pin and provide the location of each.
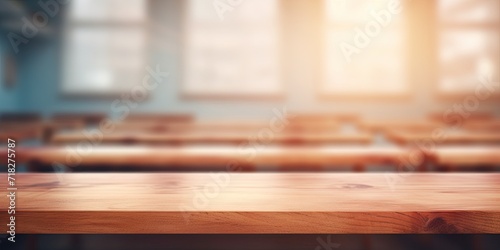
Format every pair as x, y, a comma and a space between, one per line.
221, 137
237, 203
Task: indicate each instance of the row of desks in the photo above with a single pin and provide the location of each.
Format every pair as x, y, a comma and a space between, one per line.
230, 203
305, 132
299, 157
400, 137
216, 137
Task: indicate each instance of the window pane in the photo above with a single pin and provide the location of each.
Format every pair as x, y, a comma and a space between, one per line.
108, 10
466, 56
237, 11
232, 54
104, 60
358, 11
359, 34
469, 10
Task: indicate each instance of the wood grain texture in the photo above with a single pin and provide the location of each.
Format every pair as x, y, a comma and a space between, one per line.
256, 203
162, 156
210, 137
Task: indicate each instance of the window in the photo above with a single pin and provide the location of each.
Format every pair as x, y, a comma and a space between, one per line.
365, 48
469, 43
230, 50
105, 48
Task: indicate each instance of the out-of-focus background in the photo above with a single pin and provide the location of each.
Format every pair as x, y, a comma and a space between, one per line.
232, 59
369, 76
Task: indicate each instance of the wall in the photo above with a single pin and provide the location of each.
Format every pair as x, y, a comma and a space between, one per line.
8, 96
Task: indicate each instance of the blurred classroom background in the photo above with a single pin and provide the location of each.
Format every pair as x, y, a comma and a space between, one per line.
305, 85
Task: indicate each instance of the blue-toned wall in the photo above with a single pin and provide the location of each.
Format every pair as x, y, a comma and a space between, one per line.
40, 72
8, 96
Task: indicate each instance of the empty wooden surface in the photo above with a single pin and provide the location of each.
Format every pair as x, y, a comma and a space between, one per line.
300, 157
218, 137
255, 203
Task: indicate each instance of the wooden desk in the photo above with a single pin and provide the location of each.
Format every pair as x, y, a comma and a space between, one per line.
254, 203
298, 157
475, 116
343, 117
160, 117
21, 131
492, 125
208, 137
383, 126
84, 118
448, 137
218, 126
466, 156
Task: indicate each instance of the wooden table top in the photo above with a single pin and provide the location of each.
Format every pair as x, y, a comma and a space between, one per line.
161, 156
448, 137
255, 203
218, 137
